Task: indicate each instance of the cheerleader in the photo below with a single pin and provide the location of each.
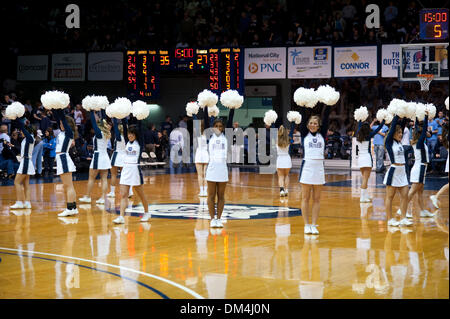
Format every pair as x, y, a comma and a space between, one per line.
284, 162
201, 161
435, 198
26, 168
364, 137
395, 178
217, 172
419, 168
118, 157
312, 171
100, 162
131, 175
64, 164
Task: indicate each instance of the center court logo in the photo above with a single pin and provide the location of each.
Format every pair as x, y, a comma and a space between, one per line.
200, 211
253, 67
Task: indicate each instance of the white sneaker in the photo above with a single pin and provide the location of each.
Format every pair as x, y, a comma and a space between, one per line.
393, 222
146, 217
111, 194
68, 212
27, 205
426, 213
219, 223
409, 215
307, 229
85, 199
314, 230
213, 223
119, 220
282, 193
100, 201
17, 205
435, 201
406, 222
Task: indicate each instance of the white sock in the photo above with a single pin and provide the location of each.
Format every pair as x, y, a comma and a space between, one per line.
131, 192
113, 189
19, 202
27, 202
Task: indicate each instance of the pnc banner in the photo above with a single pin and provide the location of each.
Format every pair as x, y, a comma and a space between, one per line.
358, 61
309, 62
265, 63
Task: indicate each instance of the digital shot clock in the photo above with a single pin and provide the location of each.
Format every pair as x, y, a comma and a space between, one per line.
434, 24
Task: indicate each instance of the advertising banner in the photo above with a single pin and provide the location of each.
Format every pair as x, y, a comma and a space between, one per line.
309, 62
358, 61
68, 67
105, 66
32, 68
265, 63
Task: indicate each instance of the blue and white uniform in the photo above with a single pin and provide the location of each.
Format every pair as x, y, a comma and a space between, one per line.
364, 148
100, 160
283, 157
64, 140
396, 174
202, 155
26, 166
131, 174
421, 157
312, 170
118, 156
217, 170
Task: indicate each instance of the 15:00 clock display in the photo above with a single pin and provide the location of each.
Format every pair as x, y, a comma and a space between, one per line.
434, 24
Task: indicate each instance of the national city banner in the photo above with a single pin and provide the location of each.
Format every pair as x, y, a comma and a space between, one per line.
265, 63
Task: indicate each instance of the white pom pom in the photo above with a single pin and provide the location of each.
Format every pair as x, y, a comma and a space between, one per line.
446, 103
140, 110
421, 110
192, 108
55, 100
207, 98
411, 110
361, 114
101, 102
389, 117
14, 110
305, 97
213, 111
294, 116
231, 99
431, 110
87, 102
327, 95
120, 109
381, 115
398, 107
270, 117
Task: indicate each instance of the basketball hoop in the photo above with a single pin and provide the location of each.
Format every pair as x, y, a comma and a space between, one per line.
425, 80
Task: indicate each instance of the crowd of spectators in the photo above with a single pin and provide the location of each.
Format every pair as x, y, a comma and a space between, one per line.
120, 24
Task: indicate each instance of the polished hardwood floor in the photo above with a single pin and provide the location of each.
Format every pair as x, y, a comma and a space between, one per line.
260, 253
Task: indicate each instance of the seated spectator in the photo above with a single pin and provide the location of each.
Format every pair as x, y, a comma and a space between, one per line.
8, 159
49, 151
4, 136
439, 158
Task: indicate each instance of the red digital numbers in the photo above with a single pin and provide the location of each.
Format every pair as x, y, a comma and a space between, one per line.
214, 71
132, 70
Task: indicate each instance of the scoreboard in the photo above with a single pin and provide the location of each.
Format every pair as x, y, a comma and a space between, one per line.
222, 66
434, 24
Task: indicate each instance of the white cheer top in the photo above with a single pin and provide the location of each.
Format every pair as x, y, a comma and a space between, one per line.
132, 152
314, 146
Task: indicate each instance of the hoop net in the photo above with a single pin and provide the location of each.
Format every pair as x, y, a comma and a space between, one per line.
425, 80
